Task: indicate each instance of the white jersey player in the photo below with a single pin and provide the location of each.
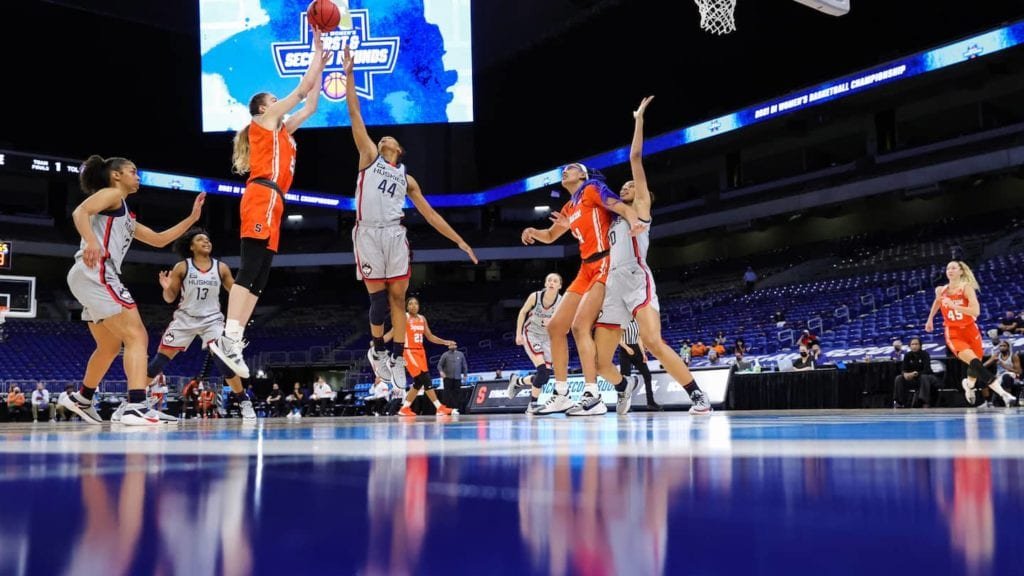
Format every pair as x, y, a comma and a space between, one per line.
630, 291
195, 283
378, 237
532, 335
107, 228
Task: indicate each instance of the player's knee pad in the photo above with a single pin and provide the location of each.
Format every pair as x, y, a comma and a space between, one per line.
224, 370
422, 381
157, 364
254, 270
379, 308
542, 376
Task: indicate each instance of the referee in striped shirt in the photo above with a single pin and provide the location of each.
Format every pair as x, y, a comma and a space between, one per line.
632, 354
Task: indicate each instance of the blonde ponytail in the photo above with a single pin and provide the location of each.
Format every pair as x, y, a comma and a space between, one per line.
967, 277
240, 155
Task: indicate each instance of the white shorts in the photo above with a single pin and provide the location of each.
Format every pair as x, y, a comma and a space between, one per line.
381, 253
184, 328
538, 344
101, 295
627, 291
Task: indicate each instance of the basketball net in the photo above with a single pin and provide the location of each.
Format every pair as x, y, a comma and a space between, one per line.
717, 16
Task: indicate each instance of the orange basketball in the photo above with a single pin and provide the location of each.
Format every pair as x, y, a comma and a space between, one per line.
323, 14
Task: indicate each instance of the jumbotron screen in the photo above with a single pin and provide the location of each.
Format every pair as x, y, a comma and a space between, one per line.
413, 60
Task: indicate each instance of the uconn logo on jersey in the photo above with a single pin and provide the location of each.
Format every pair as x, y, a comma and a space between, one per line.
372, 55
390, 179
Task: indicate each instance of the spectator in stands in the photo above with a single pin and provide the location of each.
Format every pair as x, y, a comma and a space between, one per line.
808, 339
739, 364
699, 349
1009, 324
207, 401
818, 355
498, 373
15, 404
324, 395
158, 392
377, 400
1020, 323
720, 339
994, 339
62, 411
296, 401
897, 351
40, 402
719, 349
916, 372
1008, 366
804, 362
779, 318
741, 345
453, 369
749, 279
713, 357
274, 401
189, 396
684, 351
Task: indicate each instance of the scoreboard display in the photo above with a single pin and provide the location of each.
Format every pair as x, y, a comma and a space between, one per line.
5, 254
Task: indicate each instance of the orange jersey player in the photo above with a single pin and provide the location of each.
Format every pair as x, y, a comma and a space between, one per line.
266, 151
416, 331
958, 302
588, 214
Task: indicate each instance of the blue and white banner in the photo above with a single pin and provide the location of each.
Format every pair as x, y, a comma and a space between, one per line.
413, 60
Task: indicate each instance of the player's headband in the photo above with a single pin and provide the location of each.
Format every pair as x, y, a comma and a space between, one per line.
579, 167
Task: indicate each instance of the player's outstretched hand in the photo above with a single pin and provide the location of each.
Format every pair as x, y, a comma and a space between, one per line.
347, 61
639, 112
636, 228
197, 206
165, 279
527, 236
468, 250
929, 327
559, 219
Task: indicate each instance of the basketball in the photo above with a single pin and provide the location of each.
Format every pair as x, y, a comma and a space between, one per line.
334, 85
323, 15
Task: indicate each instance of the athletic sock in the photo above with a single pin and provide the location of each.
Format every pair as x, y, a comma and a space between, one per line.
86, 392
233, 330
136, 396
378, 344
592, 388
406, 403
621, 386
397, 349
561, 388
437, 403
691, 388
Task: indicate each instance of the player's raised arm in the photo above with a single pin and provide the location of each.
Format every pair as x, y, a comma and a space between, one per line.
276, 110
312, 98
436, 220
170, 282
160, 239
559, 226
642, 194
366, 146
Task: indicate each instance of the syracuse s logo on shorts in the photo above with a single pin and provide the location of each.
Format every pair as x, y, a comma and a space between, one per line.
258, 228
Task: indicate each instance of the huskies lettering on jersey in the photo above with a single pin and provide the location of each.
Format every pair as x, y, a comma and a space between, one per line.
371, 54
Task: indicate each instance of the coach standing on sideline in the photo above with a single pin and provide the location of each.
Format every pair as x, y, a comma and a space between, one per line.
452, 365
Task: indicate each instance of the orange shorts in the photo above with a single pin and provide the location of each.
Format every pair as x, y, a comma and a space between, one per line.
262, 210
590, 273
416, 361
959, 339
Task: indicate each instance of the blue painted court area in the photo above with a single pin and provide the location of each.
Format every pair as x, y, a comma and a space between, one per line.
822, 492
